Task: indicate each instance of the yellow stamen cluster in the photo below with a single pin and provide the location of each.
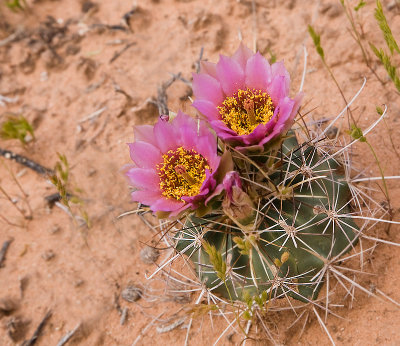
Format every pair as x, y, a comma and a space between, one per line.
246, 109
182, 173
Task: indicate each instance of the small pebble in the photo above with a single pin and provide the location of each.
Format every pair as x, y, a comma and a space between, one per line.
391, 5
44, 76
332, 132
332, 10
78, 283
131, 294
48, 255
149, 255
54, 229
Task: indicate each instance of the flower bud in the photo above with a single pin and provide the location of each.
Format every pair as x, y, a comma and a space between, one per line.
164, 117
237, 204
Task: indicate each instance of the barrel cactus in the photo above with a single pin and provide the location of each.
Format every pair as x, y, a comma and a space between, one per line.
292, 226
264, 208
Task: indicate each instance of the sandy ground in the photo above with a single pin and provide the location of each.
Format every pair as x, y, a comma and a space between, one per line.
85, 58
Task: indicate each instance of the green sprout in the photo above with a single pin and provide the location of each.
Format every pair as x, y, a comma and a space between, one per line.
317, 42
384, 26
360, 5
216, 260
384, 58
16, 127
60, 179
16, 5
387, 64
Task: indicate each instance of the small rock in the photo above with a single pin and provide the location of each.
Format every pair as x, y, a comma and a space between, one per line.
92, 172
131, 293
48, 255
44, 76
149, 255
332, 10
391, 5
7, 306
332, 132
16, 328
79, 283
28, 138
72, 49
89, 6
54, 229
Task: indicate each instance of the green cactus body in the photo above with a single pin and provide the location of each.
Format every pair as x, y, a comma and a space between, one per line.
295, 234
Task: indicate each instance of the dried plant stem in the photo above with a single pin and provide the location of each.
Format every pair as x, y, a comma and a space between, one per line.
26, 162
19, 186
9, 222
357, 38
15, 206
391, 139
38, 331
3, 250
68, 336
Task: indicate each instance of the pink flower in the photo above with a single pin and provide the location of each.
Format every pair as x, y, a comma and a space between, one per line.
175, 164
245, 99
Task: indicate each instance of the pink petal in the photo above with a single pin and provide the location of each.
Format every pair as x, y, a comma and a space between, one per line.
230, 74
207, 108
187, 130
296, 105
277, 89
189, 137
165, 136
285, 110
145, 155
208, 68
165, 204
208, 150
241, 55
258, 72
216, 192
278, 69
145, 197
207, 88
179, 210
254, 137
144, 178
297, 101
182, 120
144, 133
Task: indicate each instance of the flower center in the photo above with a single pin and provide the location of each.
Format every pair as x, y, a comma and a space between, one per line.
246, 109
182, 173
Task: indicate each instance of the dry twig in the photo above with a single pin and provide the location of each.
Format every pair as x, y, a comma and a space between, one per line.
69, 335
122, 51
38, 331
3, 250
26, 162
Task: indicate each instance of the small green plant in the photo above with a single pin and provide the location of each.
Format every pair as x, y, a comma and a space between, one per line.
385, 28
16, 127
356, 34
60, 179
360, 5
317, 42
16, 5
391, 43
